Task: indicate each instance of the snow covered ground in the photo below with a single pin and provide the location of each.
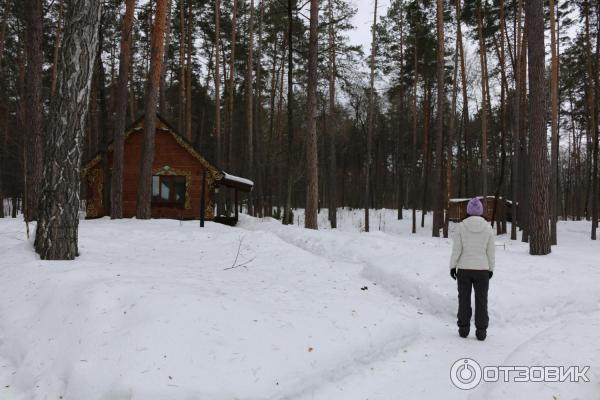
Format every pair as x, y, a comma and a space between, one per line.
163, 309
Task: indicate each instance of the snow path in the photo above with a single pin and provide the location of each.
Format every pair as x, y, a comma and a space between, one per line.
148, 311
423, 282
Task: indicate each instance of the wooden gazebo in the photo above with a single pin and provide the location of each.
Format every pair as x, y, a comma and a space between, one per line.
457, 208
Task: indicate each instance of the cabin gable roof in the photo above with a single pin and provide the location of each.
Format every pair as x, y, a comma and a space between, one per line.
162, 125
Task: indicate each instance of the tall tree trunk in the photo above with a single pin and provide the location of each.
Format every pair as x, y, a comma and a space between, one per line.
120, 112
312, 164
438, 211
182, 74
287, 220
524, 176
484, 106
539, 243
465, 97
333, 118
188, 74
554, 117
218, 93
3, 111
249, 104
258, 108
413, 156
401, 155
369, 156
500, 49
56, 235
592, 133
516, 148
152, 87
595, 177
34, 120
426, 151
162, 103
231, 88
102, 116
453, 131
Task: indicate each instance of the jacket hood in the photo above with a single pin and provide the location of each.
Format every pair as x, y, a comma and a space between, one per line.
475, 224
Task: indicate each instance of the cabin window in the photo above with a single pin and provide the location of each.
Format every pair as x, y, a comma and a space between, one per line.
168, 190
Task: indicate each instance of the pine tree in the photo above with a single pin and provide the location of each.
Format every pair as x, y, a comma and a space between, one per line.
144, 192
34, 120
312, 167
539, 232
120, 112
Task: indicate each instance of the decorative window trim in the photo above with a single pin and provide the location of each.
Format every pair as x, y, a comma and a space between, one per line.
167, 170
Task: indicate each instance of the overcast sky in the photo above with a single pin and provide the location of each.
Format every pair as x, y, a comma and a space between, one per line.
364, 19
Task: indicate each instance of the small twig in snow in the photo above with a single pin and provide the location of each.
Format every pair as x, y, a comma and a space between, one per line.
244, 264
240, 240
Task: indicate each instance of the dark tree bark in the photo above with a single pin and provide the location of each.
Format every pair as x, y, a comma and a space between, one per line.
452, 132
162, 104
554, 117
34, 119
312, 164
484, 105
120, 111
401, 143
592, 124
3, 123
595, 148
56, 235
524, 176
371, 111
102, 114
516, 148
539, 243
426, 151
182, 74
188, 73
231, 88
257, 113
413, 161
438, 210
249, 105
217, 77
287, 218
152, 88
333, 118
465, 98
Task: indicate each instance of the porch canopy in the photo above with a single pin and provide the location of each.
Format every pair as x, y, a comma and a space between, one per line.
236, 182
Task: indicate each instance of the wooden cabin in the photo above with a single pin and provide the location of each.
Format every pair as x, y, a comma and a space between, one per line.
180, 175
457, 208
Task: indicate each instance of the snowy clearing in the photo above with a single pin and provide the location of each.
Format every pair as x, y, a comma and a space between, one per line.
162, 309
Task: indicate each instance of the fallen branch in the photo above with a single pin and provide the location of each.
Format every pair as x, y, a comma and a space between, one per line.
244, 264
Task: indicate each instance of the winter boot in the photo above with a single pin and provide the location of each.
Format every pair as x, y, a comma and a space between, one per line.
481, 334
463, 332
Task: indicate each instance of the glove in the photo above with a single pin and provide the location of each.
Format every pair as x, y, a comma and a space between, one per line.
491, 274
453, 273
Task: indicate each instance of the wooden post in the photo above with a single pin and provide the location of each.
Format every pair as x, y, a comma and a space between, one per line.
202, 200
235, 195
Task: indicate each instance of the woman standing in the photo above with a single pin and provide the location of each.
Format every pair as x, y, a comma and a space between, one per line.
472, 265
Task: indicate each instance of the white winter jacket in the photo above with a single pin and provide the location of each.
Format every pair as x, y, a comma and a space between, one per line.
474, 245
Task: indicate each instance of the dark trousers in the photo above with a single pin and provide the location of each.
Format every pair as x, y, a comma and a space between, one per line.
480, 280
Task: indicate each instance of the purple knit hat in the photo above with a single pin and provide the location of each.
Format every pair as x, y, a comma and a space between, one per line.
475, 207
